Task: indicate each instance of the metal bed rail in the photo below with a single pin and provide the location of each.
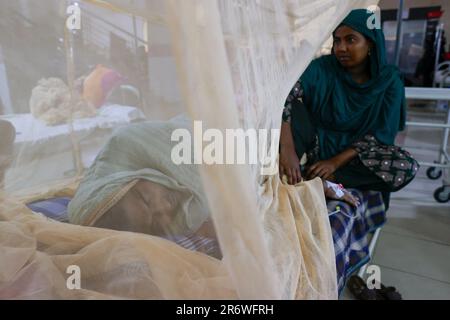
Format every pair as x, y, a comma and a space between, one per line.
435, 170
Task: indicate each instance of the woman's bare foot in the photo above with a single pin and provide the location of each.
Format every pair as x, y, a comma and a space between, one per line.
337, 192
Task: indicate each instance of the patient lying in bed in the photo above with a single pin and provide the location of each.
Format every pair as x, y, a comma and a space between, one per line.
151, 209
148, 208
134, 186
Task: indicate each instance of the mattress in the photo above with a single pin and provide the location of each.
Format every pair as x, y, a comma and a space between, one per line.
30, 129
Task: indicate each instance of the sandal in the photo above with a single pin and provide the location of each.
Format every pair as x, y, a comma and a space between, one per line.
389, 293
359, 289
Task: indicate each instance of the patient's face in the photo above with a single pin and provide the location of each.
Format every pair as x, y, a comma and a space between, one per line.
147, 208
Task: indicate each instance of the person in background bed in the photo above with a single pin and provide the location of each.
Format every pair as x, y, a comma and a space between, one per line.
343, 115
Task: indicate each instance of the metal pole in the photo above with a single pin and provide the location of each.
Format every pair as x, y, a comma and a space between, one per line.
398, 40
137, 60
429, 125
70, 65
135, 35
438, 46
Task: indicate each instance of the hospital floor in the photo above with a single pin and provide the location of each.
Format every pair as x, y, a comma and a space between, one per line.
413, 251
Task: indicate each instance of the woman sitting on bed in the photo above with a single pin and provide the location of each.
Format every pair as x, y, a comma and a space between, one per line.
342, 116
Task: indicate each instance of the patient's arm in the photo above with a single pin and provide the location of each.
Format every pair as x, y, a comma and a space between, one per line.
338, 192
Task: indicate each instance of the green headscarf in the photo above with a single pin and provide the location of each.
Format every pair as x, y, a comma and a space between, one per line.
345, 111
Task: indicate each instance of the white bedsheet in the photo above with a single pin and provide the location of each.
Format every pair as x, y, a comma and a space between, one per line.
52, 144
30, 129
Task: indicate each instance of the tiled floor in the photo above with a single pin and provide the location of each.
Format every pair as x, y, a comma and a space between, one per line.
413, 250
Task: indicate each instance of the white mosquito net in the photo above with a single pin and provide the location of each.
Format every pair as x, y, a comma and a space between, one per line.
93, 204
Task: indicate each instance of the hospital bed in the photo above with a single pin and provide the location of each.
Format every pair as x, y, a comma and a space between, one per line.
35, 139
30, 129
441, 166
351, 229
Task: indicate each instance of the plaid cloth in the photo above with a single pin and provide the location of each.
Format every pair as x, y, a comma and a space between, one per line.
201, 244
350, 228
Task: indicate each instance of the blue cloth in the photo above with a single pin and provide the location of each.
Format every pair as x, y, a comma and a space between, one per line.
351, 227
55, 209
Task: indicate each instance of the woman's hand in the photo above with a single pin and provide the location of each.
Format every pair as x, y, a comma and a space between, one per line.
290, 165
289, 162
323, 169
